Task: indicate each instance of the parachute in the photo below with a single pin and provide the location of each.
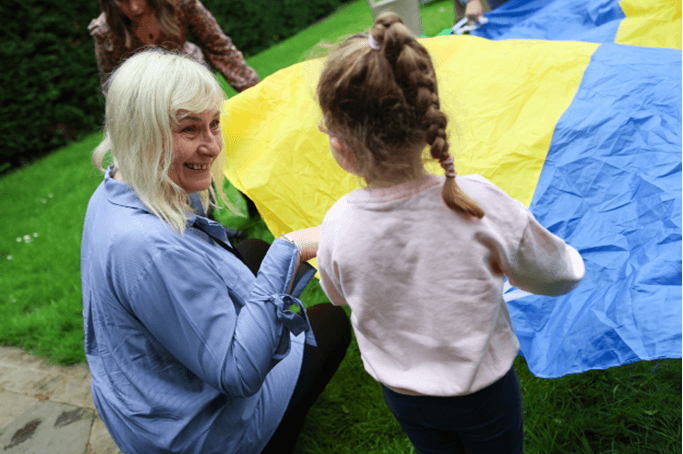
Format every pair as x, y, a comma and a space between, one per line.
573, 108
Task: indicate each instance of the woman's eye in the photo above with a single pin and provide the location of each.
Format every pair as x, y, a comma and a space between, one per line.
215, 124
189, 129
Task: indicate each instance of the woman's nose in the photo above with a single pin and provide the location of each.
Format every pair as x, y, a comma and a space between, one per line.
211, 144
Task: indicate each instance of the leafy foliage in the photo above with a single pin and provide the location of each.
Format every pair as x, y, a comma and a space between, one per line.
255, 25
50, 87
49, 79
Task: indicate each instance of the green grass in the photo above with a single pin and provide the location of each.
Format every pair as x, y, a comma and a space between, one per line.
40, 300
630, 409
352, 18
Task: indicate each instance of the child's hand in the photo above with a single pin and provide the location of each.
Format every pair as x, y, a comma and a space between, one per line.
307, 241
474, 10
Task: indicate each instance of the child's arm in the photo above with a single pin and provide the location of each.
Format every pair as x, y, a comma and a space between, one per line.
329, 277
544, 264
330, 287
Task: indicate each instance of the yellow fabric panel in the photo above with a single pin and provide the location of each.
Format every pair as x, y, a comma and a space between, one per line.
275, 153
650, 23
503, 99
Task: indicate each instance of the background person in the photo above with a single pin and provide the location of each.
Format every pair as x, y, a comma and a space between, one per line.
126, 26
473, 9
190, 341
421, 259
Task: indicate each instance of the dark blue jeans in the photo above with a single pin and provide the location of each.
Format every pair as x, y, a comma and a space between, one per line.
486, 422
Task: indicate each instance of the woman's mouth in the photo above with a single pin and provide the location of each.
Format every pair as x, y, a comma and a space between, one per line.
197, 166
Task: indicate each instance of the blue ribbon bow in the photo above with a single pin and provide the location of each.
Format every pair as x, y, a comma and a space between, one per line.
295, 323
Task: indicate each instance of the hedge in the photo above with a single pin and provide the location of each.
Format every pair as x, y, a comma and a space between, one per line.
49, 84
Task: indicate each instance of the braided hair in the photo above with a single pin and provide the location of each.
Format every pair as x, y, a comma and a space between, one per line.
379, 91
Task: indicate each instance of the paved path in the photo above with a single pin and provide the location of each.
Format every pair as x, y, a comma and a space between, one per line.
48, 409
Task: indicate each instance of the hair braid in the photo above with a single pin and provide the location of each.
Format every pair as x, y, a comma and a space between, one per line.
414, 73
380, 92
452, 194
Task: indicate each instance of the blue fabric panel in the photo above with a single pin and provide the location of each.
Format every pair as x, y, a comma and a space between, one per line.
593, 21
611, 187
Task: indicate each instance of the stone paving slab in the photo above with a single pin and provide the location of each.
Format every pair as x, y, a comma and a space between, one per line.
6, 370
18, 357
46, 408
33, 382
48, 427
100, 440
75, 391
12, 405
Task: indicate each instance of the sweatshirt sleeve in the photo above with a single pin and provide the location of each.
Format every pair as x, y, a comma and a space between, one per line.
330, 284
229, 343
329, 277
543, 263
105, 55
219, 48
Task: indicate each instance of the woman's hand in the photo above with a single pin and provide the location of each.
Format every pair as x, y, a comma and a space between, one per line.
307, 241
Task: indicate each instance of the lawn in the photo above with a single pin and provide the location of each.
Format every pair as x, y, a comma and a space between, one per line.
630, 409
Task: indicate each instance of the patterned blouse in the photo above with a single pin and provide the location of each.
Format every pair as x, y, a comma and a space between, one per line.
212, 44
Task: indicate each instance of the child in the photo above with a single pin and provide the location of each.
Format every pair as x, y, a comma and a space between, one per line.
421, 262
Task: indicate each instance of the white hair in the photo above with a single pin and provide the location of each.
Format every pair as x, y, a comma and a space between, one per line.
144, 96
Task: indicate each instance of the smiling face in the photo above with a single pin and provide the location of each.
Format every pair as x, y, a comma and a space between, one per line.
135, 10
197, 141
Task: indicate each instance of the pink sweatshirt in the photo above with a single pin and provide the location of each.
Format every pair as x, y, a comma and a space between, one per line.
425, 285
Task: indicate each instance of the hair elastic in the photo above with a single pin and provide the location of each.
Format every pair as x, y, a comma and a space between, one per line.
372, 42
448, 166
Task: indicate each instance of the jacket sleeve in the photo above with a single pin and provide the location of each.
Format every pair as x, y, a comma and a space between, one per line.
197, 316
104, 54
543, 263
218, 47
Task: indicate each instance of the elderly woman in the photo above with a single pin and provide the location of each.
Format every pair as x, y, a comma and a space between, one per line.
126, 26
190, 341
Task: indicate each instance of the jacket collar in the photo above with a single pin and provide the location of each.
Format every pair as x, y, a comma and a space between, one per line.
124, 195
120, 193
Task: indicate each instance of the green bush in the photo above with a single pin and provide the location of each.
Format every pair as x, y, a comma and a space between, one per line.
259, 24
49, 80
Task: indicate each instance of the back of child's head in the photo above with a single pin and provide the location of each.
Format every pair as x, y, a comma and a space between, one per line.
379, 92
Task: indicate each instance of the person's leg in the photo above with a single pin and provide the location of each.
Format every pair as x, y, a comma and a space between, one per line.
487, 421
459, 10
332, 331
426, 422
502, 411
253, 251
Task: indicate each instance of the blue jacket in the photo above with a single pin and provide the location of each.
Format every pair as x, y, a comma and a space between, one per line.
189, 352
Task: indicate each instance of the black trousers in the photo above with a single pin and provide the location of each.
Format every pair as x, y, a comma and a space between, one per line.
332, 331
